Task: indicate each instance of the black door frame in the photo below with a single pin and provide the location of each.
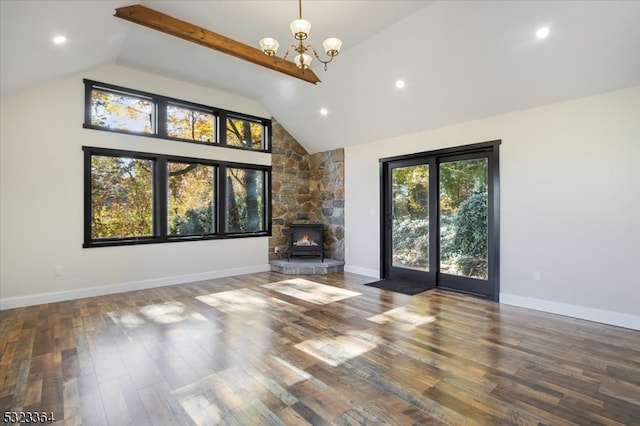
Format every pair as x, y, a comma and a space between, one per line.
490, 149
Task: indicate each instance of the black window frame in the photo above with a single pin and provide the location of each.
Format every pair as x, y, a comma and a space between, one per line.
161, 103
160, 185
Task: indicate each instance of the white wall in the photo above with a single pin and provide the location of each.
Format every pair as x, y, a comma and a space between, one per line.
41, 197
570, 203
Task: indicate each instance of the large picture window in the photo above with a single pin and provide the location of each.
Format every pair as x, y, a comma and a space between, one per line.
134, 197
244, 204
123, 110
121, 197
190, 198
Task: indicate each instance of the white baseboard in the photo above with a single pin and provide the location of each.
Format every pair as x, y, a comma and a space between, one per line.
60, 296
575, 311
373, 273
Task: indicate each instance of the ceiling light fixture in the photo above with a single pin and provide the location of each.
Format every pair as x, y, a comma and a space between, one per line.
542, 32
300, 29
60, 39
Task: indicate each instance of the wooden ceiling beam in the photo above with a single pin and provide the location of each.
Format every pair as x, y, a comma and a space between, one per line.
169, 25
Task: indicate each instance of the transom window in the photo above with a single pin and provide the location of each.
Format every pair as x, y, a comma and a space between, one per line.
244, 133
192, 124
117, 110
123, 110
135, 197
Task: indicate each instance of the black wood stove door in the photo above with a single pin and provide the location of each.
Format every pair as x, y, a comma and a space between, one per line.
305, 240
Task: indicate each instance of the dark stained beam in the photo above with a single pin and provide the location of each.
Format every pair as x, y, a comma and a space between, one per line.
169, 25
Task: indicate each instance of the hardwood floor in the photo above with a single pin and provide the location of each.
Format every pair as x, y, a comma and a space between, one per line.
255, 350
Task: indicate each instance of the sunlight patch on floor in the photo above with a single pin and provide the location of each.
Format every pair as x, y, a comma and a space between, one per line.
403, 318
300, 374
160, 313
244, 301
335, 350
127, 319
164, 313
201, 410
309, 291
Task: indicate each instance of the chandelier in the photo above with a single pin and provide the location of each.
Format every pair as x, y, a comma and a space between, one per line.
300, 29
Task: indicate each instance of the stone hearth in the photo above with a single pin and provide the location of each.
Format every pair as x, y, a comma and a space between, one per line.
307, 266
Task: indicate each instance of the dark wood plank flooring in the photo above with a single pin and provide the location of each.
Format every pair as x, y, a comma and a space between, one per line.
185, 355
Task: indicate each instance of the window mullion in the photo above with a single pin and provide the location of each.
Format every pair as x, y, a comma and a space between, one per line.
88, 213
267, 137
222, 128
266, 191
221, 199
88, 89
161, 117
215, 200
160, 179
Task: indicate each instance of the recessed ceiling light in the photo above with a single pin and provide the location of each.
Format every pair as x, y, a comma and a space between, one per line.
324, 111
400, 84
542, 32
59, 39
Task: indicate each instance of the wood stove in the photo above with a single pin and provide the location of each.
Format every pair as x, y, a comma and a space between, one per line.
305, 240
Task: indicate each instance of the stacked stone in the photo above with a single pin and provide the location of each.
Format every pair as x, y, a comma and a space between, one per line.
306, 188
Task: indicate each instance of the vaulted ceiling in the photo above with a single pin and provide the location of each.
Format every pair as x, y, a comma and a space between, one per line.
460, 60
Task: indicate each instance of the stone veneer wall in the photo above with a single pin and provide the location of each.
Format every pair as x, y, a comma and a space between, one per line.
306, 188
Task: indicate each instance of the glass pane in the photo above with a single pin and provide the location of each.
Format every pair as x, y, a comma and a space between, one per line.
191, 124
121, 197
244, 203
243, 133
463, 218
410, 217
121, 111
190, 199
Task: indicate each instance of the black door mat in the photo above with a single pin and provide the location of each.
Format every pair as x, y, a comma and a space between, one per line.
400, 286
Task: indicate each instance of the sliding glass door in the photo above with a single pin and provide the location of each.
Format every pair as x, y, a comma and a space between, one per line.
463, 218
407, 225
440, 222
